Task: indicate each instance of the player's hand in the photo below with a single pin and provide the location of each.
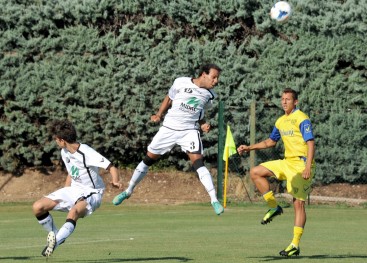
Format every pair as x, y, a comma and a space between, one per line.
306, 174
205, 127
155, 118
243, 148
117, 185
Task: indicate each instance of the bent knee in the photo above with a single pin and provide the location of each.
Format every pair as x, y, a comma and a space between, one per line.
38, 208
258, 171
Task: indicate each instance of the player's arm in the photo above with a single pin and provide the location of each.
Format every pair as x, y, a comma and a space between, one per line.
166, 104
310, 156
115, 176
268, 143
308, 137
68, 181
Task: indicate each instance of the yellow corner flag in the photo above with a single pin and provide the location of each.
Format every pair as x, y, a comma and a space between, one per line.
230, 146
229, 149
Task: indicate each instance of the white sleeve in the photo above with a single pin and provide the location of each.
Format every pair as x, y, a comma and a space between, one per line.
173, 90
94, 158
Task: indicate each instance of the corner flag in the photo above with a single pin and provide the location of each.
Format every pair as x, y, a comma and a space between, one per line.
230, 146
229, 149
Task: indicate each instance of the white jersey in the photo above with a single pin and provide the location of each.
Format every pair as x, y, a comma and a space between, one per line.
83, 167
188, 104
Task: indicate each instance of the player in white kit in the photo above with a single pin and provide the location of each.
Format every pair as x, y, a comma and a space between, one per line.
83, 190
185, 104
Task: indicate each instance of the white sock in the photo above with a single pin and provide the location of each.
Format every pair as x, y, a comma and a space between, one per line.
65, 231
139, 173
206, 179
48, 224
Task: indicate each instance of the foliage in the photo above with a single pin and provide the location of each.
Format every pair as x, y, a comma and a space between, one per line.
106, 65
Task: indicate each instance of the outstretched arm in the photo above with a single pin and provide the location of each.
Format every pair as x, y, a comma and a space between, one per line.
166, 104
115, 176
268, 143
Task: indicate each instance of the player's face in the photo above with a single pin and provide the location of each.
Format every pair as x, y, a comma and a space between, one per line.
288, 103
211, 79
60, 142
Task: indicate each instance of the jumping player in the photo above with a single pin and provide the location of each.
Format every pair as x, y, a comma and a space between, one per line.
83, 190
186, 102
297, 168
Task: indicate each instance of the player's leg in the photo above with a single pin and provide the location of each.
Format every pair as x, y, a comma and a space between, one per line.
207, 181
139, 173
299, 224
162, 142
76, 212
41, 210
299, 188
141, 170
259, 176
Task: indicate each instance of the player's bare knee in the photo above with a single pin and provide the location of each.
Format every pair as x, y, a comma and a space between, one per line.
254, 173
38, 208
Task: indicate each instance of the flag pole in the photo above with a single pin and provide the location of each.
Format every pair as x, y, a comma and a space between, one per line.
225, 178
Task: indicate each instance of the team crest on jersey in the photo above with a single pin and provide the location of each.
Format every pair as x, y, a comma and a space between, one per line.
74, 172
308, 128
190, 105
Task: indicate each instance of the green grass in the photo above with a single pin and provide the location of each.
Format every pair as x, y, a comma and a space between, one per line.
186, 233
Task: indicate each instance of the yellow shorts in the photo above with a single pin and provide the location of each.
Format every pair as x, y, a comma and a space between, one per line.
291, 169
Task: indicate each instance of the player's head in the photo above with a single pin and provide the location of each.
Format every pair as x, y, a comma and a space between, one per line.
289, 100
209, 75
63, 130
291, 91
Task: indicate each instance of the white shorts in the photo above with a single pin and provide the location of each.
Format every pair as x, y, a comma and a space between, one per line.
68, 196
165, 139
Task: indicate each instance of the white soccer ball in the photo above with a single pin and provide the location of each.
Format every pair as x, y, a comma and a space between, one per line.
281, 11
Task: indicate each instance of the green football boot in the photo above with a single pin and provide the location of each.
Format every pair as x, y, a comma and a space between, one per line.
290, 251
120, 197
272, 212
218, 208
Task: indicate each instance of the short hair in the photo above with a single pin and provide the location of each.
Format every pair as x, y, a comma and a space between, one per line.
63, 129
206, 68
292, 91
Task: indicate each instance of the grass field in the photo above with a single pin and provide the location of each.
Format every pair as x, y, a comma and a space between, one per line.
186, 233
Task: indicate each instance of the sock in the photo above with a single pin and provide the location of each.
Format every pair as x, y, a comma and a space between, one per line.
206, 179
65, 231
139, 173
47, 222
297, 233
270, 199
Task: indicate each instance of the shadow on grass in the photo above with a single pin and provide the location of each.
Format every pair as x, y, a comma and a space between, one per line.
178, 259
17, 258
316, 257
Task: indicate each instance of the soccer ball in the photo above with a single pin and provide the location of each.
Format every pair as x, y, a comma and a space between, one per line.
281, 11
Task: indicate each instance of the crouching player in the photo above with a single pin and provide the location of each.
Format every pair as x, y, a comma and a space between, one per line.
83, 190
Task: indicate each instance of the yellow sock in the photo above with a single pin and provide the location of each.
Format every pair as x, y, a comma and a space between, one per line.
270, 199
297, 233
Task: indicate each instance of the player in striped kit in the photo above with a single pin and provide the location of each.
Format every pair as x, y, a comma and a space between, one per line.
83, 190
185, 104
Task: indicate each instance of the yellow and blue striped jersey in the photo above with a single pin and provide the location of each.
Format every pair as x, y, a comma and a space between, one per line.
295, 130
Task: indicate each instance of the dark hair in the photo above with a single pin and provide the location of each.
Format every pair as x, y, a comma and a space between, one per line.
63, 129
294, 93
206, 68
